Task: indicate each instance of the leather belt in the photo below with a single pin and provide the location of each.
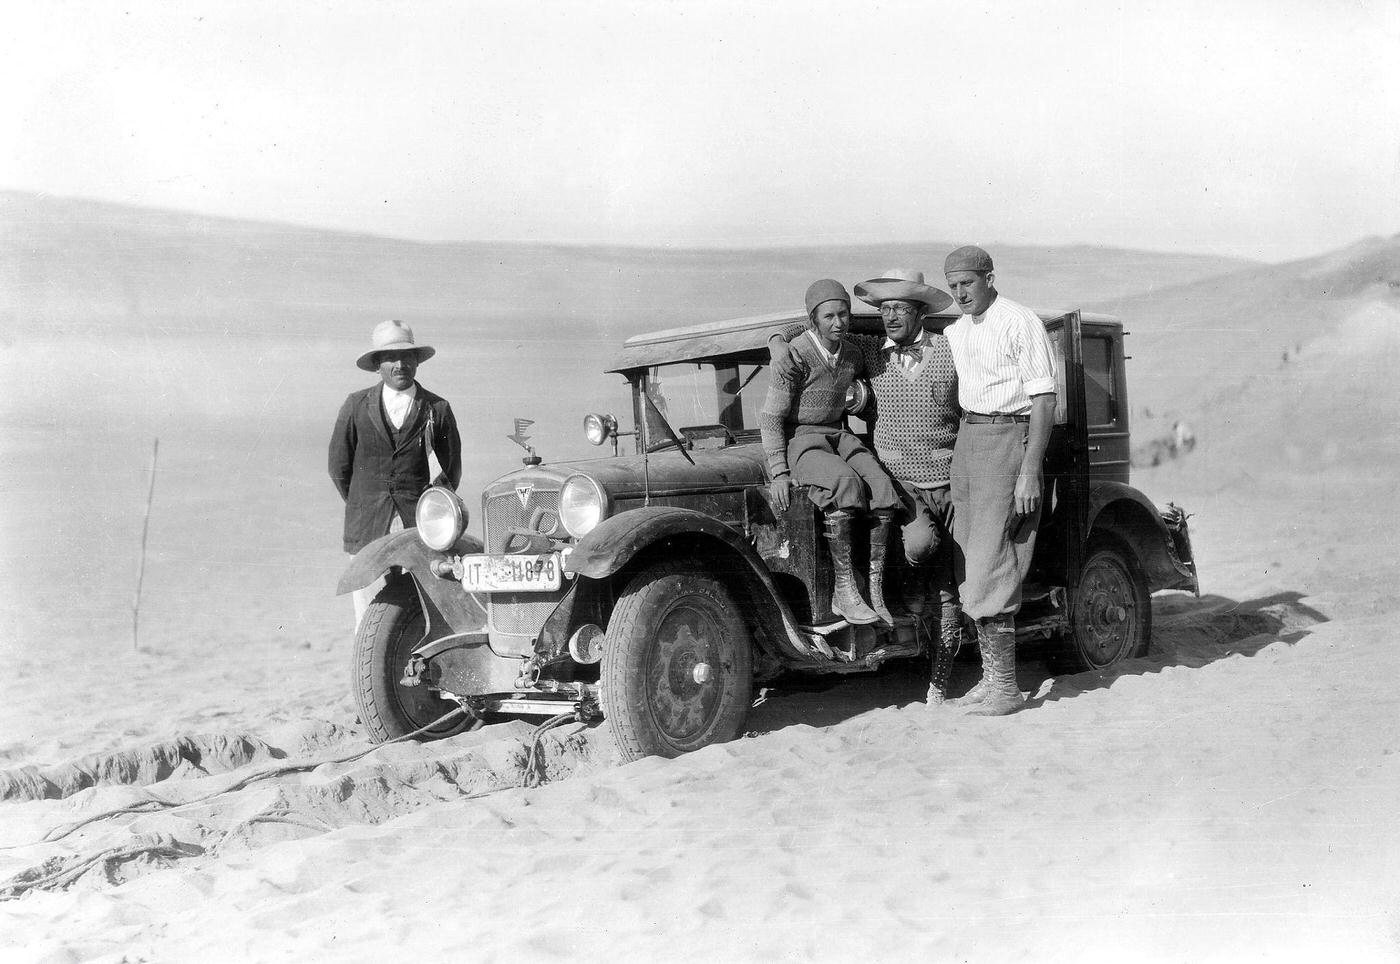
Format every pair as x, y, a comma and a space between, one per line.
997, 418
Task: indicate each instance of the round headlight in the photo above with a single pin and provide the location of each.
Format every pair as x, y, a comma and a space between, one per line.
599, 428
441, 518
581, 505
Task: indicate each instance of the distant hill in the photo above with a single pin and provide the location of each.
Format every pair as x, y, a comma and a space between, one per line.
77, 265
1199, 344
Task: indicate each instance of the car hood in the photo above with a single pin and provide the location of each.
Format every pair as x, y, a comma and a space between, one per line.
668, 471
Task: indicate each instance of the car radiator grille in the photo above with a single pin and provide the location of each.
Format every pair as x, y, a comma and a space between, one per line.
504, 512
520, 613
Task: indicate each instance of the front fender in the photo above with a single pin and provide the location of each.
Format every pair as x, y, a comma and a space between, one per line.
447, 605
613, 543
616, 541
403, 549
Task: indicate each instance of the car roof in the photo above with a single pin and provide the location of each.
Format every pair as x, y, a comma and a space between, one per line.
738, 336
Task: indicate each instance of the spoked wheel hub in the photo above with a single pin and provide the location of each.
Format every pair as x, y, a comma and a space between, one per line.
677, 671
1111, 614
681, 687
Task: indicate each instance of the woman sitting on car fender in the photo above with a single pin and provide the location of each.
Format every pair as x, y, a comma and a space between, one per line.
805, 442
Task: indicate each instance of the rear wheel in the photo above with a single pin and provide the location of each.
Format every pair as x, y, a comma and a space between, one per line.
1112, 609
392, 627
677, 669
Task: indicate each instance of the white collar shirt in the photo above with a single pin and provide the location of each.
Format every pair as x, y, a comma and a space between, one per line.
398, 404
828, 357
1003, 358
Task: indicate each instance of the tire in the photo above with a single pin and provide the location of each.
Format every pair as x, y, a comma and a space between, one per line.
390, 630
1112, 609
669, 620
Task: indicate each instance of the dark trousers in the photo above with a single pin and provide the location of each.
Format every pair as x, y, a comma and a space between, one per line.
928, 539
839, 471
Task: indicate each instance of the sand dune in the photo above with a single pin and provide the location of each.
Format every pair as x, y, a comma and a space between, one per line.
1194, 805
1227, 797
1196, 344
85, 266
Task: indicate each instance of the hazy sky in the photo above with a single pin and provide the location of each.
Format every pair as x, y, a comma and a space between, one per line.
1264, 128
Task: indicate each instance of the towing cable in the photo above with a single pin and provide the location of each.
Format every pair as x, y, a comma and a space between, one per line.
154, 803
161, 844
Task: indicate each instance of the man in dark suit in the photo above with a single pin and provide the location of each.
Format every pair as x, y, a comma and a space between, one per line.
384, 439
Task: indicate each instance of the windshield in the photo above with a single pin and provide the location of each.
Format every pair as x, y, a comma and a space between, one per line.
691, 395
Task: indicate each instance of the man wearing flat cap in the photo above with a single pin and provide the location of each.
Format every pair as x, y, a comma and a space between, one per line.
1006, 388
384, 437
915, 418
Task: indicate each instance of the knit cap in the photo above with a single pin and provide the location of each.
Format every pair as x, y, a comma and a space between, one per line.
967, 258
825, 290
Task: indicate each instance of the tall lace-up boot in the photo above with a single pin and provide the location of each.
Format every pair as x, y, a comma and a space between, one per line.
949, 642
845, 597
978, 692
879, 542
1003, 696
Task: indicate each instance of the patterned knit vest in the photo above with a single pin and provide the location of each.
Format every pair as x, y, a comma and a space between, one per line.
917, 413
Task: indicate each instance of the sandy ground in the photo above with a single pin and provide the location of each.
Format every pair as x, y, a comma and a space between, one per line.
1229, 797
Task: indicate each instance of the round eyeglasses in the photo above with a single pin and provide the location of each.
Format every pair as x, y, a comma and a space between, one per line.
898, 311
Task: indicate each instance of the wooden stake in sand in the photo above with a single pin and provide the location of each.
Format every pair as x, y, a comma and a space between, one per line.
141, 564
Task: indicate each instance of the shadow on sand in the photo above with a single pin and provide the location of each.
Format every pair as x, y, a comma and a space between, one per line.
1186, 631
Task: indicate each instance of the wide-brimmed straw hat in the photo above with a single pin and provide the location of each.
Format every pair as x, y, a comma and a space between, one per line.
392, 335
901, 284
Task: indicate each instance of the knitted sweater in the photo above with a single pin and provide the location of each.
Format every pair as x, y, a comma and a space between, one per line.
916, 413
814, 396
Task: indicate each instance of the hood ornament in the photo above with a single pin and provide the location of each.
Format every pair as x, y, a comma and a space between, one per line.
522, 440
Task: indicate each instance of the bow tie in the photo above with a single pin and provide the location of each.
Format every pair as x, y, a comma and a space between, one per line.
914, 351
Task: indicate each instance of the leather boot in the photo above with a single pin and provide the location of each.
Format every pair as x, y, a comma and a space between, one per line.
978, 692
879, 541
845, 597
1003, 696
949, 642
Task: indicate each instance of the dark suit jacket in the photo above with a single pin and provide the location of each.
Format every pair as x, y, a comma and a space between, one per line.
377, 479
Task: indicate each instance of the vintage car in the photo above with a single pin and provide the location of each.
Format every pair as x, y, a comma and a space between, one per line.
653, 590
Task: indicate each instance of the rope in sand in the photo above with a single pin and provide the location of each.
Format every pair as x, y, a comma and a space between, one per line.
535, 774
67, 874
163, 845
155, 803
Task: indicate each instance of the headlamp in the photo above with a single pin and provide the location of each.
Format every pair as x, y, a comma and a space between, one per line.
581, 505
599, 428
441, 518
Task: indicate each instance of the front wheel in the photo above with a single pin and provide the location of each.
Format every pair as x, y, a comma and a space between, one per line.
392, 627
677, 669
1112, 610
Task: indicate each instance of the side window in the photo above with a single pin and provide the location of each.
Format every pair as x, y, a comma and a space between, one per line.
1099, 403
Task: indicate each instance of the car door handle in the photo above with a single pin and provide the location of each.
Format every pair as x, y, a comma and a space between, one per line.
1095, 448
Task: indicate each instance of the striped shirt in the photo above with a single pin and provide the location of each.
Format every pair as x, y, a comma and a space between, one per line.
1003, 357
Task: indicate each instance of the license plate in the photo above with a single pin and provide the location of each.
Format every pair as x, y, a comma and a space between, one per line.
537, 573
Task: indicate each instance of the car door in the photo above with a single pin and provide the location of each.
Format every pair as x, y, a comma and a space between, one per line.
1060, 544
